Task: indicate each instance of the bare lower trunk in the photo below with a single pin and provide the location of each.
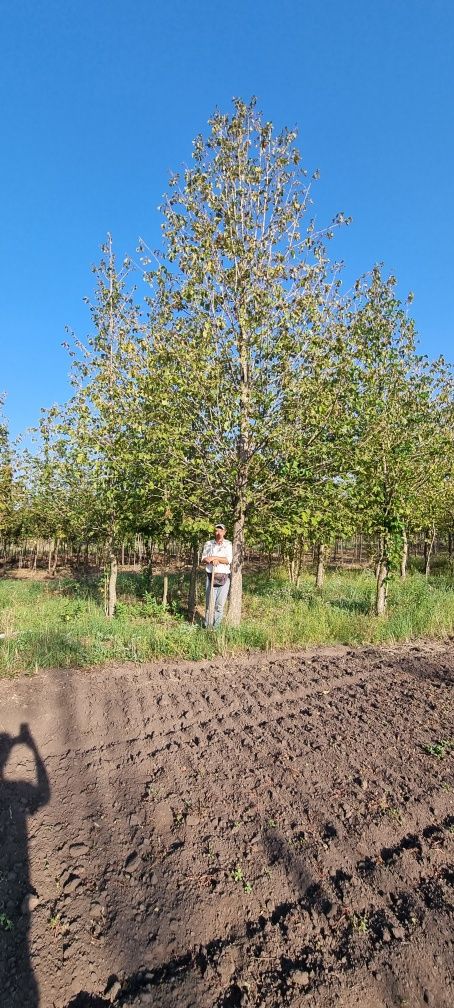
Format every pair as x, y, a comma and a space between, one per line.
382, 572
320, 575
381, 596
49, 556
192, 596
165, 580
111, 599
53, 569
429, 538
404, 556
295, 560
236, 587
210, 611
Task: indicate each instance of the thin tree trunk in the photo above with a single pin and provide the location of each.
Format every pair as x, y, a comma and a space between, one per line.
243, 457
404, 556
165, 584
49, 556
150, 563
53, 570
429, 538
382, 571
320, 575
111, 600
236, 586
192, 596
210, 611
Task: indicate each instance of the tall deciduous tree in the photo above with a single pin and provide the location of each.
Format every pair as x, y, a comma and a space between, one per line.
401, 433
96, 422
246, 285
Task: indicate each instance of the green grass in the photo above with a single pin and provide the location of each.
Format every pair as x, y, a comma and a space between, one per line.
61, 623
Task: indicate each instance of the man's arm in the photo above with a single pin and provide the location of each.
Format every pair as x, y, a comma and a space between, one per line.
226, 558
206, 558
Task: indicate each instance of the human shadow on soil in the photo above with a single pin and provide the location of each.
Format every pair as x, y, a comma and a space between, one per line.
18, 800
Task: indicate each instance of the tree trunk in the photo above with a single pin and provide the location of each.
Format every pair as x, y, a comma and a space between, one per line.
295, 560
53, 569
382, 570
192, 596
111, 599
320, 575
49, 556
404, 556
236, 585
165, 576
429, 537
381, 597
243, 459
150, 564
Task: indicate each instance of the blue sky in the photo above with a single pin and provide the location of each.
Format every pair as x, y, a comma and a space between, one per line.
101, 100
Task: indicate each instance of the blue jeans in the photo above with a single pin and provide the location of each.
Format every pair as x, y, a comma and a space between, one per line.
220, 598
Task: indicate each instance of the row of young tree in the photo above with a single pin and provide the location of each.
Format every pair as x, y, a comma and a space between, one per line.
250, 387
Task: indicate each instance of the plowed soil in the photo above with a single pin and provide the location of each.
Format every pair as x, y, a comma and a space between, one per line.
275, 830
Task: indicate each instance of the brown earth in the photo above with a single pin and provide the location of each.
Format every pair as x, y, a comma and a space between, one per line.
264, 831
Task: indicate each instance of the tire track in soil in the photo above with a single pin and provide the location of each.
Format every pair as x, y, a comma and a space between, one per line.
264, 832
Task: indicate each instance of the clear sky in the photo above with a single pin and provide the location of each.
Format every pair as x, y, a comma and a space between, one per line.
100, 100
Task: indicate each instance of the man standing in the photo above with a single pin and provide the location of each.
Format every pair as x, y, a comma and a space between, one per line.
217, 558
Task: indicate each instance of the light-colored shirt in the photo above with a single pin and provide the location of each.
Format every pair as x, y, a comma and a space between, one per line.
212, 548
